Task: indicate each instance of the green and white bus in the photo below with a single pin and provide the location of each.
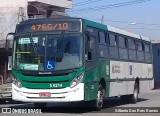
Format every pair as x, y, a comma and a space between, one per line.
74, 59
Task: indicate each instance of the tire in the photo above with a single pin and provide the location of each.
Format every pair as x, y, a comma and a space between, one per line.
40, 105
98, 103
134, 97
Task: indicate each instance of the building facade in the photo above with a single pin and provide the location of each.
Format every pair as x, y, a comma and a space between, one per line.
48, 8
156, 63
15, 11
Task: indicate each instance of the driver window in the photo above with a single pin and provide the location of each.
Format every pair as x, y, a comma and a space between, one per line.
90, 46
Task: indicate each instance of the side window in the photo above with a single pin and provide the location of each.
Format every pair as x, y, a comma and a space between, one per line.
146, 47
147, 52
140, 56
132, 49
91, 49
132, 55
123, 54
131, 44
140, 51
148, 57
101, 37
107, 39
113, 52
112, 39
103, 51
139, 46
122, 42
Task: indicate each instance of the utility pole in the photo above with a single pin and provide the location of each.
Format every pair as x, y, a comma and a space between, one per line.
102, 19
21, 14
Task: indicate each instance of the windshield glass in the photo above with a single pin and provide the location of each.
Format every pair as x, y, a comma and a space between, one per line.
48, 52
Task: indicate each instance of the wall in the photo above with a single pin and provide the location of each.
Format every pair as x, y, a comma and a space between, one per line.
9, 15
156, 64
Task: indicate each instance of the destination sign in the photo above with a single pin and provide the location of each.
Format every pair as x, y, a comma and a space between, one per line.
49, 26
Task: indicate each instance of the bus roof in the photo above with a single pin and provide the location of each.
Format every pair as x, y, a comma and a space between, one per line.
120, 31
94, 24
113, 29
146, 38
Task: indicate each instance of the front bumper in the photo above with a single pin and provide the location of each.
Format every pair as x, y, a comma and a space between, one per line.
57, 95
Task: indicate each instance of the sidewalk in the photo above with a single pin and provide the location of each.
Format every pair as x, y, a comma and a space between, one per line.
155, 91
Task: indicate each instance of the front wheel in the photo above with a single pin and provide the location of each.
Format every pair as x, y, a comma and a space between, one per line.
98, 103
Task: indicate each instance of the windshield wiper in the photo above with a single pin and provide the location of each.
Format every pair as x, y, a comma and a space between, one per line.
33, 44
62, 35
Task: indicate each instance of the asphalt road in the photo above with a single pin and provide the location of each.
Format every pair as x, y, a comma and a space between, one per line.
111, 106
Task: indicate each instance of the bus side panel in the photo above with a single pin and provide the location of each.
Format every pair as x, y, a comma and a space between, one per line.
91, 84
143, 85
146, 80
132, 76
124, 74
118, 76
104, 73
150, 75
93, 77
107, 77
137, 70
143, 72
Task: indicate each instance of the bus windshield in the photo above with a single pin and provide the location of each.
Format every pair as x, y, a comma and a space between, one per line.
48, 52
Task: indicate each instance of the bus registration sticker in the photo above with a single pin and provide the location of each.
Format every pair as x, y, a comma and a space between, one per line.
28, 66
45, 94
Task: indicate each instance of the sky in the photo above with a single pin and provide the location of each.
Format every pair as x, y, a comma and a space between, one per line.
138, 16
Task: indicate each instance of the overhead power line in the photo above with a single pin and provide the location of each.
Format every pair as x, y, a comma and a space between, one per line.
156, 29
83, 2
123, 4
86, 2
136, 23
127, 22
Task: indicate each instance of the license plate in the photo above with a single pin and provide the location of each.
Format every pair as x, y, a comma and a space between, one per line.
45, 94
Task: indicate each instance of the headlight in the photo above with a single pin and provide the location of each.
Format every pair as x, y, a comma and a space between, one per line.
16, 82
77, 80
5, 89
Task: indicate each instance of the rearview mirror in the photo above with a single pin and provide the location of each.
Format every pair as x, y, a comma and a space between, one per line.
7, 42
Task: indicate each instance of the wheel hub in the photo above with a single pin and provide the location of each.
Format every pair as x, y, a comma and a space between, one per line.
100, 98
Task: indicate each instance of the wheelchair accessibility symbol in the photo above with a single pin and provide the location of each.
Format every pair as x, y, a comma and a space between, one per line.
50, 65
